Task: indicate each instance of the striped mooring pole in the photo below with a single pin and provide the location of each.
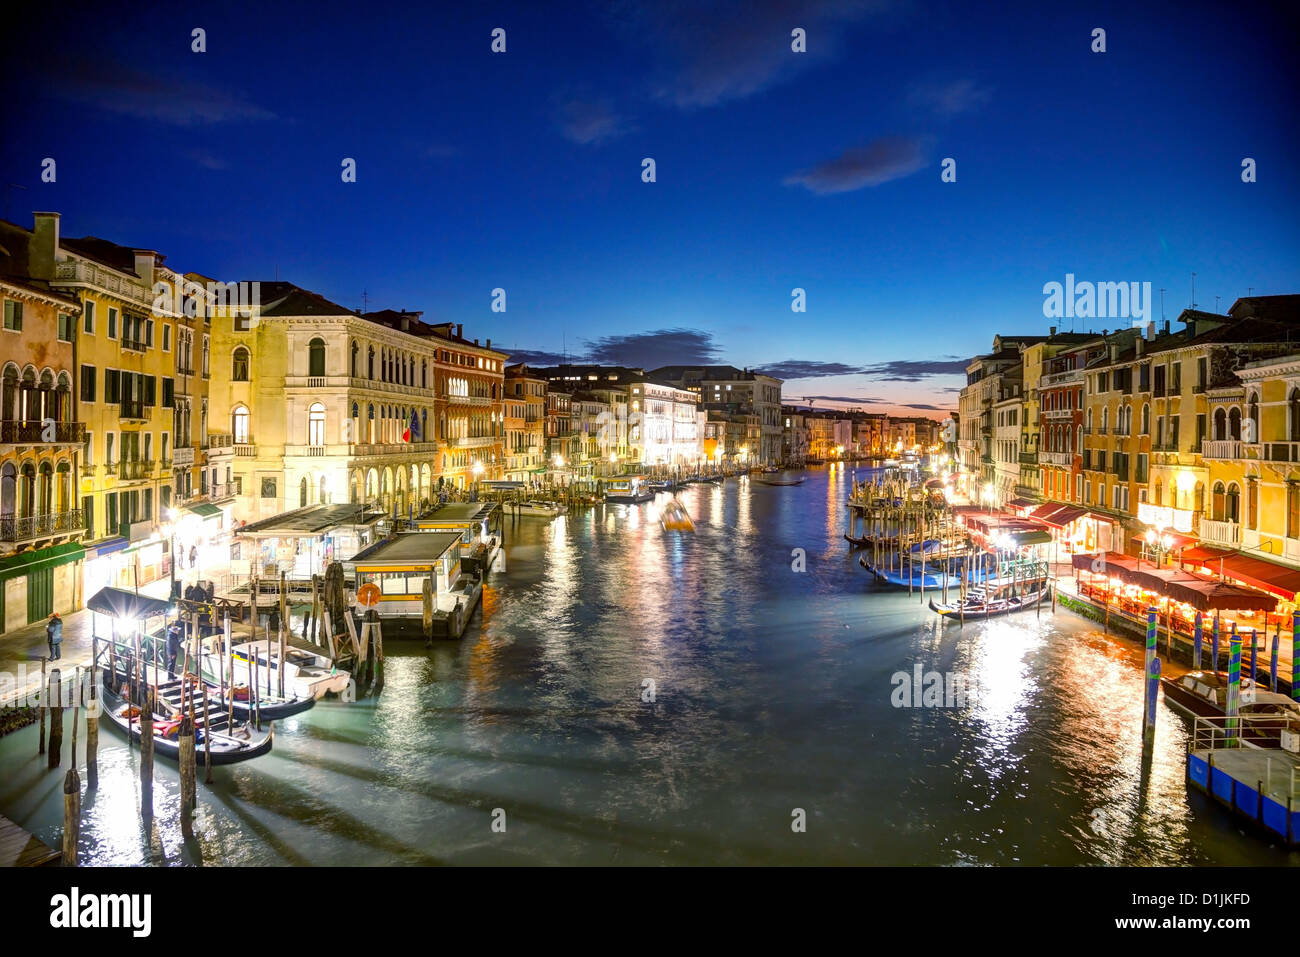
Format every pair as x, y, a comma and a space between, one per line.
1232, 705
1198, 640
1151, 673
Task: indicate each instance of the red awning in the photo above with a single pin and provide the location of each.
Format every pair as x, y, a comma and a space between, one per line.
1045, 510
1280, 580
1206, 555
1179, 541
1200, 591
1020, 503
1063, 516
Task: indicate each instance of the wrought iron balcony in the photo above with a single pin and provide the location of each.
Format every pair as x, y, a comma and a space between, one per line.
133, 469
33, 433
28, 528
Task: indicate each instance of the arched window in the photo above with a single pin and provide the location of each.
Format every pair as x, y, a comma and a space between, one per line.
1146, 419
1232, 510
316, 424
316, 357
370, 364
302, 499
354, 360
1105, 421
239, 424
1218, 502
239, 365
1220, 425
1234, 423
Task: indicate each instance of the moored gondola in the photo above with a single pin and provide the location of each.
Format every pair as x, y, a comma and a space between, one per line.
982, 606
229, 744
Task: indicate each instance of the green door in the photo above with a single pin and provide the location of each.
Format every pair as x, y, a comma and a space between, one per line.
40, 594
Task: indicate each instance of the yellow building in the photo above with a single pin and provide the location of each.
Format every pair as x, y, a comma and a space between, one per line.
41, 523
1253, 452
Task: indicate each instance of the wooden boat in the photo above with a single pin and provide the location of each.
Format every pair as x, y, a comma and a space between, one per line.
240, 699
229, 744
306, 674
763, 481
979, 604
675, 518
1203, 694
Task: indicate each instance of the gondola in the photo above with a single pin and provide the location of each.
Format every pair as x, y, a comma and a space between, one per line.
762, 481
240, 700
990, 608
228, 745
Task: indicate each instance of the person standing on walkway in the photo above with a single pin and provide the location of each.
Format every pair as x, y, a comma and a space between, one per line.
54, 635
173, 648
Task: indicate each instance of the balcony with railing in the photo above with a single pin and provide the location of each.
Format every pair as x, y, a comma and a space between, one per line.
88, 274
1220, 533
182, 456
15, 530
1221, 449
1057, 415
132, 345
220, 491
34, 432
1056, 458
220, 442
1273, 451
245, 450
479, 400
133, 409
133, 470
477, 441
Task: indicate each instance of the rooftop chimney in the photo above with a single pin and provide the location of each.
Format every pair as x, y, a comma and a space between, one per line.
1051, 330
1140, 344
459, 328
144, 263
1166, 329
45, 245
1114, 351
1149, 330
489, 343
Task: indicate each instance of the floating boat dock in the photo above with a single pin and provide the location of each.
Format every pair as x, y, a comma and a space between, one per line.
1259, 784
423, 591
20, 849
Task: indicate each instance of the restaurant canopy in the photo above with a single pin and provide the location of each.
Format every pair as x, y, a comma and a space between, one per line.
1279, 580
1062, 516
1202, 592
124, 604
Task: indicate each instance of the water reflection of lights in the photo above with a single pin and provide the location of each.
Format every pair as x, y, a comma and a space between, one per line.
1004, 685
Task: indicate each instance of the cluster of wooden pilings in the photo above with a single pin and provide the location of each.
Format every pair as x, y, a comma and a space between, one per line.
56, 697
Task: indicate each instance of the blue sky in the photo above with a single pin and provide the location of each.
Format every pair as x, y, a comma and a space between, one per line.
775, 170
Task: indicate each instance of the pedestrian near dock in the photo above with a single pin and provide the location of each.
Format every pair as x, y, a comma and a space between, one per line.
54, 635
173, 648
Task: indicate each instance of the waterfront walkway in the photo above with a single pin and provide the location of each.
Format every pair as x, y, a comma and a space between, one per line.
20, 849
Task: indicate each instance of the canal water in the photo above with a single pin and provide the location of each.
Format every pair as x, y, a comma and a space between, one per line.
636, 696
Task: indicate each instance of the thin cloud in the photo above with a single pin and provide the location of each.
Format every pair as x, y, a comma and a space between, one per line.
950, 99
847, 399
537, 357
914, 370
650, 350
129, 91
808, 369
922, 405
590, 122
709, 53
879, 162
205, 159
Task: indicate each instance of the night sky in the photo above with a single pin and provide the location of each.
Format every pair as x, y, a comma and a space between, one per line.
775, 170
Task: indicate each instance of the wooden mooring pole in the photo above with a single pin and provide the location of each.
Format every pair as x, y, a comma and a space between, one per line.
45, 706
56, 718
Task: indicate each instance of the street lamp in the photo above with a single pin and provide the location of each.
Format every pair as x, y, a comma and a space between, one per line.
990, 495
1159, 542
169, 529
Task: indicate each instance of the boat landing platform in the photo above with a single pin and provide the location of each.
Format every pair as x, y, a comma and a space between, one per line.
20, 849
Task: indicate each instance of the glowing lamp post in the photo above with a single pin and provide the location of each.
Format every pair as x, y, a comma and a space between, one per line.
990, 496
169, 530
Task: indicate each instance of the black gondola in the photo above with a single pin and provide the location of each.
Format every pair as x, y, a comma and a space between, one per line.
228, 745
